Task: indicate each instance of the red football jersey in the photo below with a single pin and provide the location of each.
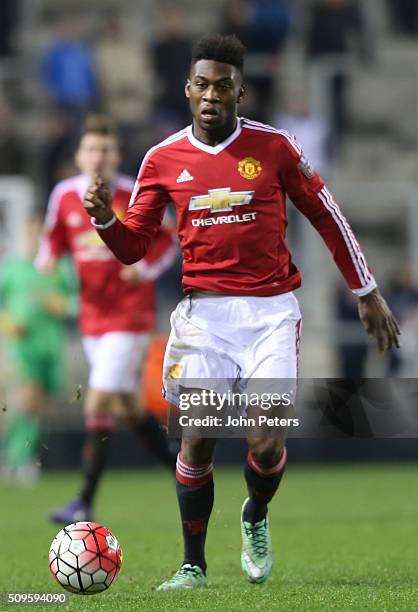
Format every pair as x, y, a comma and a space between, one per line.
231, 213
107, 302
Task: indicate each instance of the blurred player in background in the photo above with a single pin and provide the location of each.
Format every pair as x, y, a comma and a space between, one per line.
32, 321
228, 178
117, 307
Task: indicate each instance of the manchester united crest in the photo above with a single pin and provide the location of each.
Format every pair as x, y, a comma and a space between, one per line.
249, 168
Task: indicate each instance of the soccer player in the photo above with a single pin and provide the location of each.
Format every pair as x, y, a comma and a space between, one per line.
117, 308
228, 178
33, 309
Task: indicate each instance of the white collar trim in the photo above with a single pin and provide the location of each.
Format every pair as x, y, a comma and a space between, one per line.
219, 147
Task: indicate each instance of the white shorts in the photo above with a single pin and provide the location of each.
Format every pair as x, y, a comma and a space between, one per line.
115, 359
231, 338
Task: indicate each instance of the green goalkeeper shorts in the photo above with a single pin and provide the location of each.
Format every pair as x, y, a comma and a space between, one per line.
44, 369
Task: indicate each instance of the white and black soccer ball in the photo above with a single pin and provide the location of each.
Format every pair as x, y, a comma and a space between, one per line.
85, 558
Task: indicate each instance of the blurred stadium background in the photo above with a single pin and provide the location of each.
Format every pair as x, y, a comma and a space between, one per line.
341, 75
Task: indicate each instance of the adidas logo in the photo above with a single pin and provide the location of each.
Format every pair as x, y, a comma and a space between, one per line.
184, 176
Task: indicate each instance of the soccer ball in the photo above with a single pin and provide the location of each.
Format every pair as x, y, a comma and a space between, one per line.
85, 558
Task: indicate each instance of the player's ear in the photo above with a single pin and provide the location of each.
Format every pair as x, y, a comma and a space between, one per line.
187, 88
241, 94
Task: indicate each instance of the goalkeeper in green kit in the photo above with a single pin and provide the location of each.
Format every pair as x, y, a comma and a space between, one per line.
33, 310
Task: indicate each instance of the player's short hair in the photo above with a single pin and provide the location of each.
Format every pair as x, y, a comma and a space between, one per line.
227, 49
98, 124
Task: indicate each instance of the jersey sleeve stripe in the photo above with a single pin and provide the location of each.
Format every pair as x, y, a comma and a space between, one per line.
360, 257
344, 234
286, 135
259, 124
352, 247
357, 248
291, 140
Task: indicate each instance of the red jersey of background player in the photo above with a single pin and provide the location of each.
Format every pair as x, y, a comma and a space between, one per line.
231, 214
107, 302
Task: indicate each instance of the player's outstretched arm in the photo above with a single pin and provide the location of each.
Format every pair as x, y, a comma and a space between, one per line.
98, 201
378, 320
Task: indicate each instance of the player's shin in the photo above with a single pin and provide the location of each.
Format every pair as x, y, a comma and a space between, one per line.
153, 437
195, 496
95, 451
263, 480
21, 446
264, 470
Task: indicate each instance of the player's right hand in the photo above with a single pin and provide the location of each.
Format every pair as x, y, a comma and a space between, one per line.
98, 201
379, 321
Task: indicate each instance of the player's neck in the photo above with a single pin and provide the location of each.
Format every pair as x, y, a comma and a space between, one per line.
212, 137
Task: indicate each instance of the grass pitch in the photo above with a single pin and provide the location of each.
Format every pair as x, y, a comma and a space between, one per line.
345, 538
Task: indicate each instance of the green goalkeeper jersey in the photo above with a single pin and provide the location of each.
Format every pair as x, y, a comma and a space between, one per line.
35, 305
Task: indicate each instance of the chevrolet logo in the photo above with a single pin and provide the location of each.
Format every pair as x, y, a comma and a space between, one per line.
221, 200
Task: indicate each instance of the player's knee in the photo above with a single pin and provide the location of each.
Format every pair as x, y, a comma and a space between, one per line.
97, 402
266, 451
197, 450
127, 405
33, 399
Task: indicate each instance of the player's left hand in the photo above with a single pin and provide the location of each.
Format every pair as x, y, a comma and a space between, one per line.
378, 320
131, 275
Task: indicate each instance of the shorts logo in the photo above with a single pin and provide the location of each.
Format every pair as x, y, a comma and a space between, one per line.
174, 371
249, 168
221, 200
306, 168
